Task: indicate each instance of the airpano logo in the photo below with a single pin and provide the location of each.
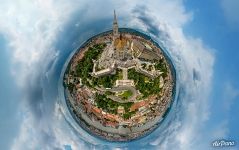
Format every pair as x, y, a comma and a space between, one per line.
223, 143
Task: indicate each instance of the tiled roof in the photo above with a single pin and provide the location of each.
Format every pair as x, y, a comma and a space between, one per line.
137, 105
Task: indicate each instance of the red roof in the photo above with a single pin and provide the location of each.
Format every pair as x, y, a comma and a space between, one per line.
137, 105
110, 116
96, 110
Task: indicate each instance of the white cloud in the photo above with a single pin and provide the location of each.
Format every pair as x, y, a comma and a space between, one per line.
32, 29
191, 54
48, 134
194, 62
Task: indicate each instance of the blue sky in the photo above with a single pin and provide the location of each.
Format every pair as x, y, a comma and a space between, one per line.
9, 100
213, 23
37, 37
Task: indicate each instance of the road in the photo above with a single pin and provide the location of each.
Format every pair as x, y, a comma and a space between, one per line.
135, 93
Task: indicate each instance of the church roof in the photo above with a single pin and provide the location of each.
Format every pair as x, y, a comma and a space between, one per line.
120, 43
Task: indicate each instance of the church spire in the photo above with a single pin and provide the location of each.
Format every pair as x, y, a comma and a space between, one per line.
115, 19
115, 27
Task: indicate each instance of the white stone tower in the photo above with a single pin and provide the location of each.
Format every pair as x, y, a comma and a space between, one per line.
115, 27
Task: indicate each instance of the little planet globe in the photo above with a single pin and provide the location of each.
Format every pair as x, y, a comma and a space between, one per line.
119, 85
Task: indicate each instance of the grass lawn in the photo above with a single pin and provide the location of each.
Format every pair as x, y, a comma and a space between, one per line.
125, 94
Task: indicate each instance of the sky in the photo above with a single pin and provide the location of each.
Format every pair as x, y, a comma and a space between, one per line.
37, 38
